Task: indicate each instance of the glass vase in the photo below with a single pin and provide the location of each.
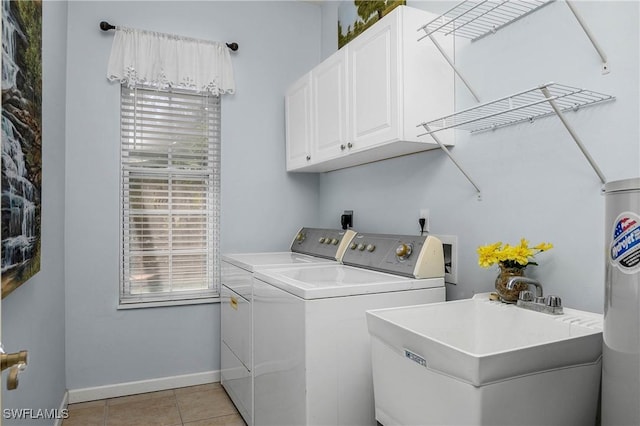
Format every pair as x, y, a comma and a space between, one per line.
506, 273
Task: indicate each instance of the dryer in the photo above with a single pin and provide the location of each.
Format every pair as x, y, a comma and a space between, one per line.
310, 246
312, 361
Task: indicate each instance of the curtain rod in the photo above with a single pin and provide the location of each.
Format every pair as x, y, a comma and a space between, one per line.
105, 26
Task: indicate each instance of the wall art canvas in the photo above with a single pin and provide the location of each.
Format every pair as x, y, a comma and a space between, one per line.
356, 16
21, 141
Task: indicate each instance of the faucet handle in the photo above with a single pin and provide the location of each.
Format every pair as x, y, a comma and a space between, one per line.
554, 301
526, 296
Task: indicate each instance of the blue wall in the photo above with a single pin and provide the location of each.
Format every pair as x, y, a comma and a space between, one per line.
33, 315
261, 204
535, 182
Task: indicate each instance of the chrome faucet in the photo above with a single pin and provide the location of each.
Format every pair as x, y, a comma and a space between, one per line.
513, 280
550, 305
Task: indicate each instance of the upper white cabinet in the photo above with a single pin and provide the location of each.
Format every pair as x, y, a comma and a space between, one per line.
373, 77
297, 105
366, 99
329, 106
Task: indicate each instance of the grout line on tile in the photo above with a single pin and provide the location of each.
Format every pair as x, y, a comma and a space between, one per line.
175, 397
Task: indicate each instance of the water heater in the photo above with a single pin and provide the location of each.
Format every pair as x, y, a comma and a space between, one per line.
621, 351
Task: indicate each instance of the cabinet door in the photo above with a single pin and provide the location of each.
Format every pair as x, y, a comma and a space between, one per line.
297, 104
373, 84
329, 81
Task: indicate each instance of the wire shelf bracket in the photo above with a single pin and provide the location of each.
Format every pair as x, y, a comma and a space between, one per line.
455, 68
452, 158
526, 106
592, 38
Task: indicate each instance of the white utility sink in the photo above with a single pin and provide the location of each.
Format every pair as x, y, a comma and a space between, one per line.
490, 350
479, 341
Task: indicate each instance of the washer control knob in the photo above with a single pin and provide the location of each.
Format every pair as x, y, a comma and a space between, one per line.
327, 240
370, 247
360, 246
403, 251
334, 241
353, 246
300, 237
321, 240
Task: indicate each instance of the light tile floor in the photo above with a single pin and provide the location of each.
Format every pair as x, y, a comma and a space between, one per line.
204, 405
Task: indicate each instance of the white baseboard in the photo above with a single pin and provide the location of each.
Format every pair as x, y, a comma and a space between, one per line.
63, 406
142, 386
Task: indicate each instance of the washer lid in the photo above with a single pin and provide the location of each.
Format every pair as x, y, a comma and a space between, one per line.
322, 281
623, 185
252, 261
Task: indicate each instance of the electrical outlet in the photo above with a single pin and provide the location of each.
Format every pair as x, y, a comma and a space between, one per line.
424, 214
346, 220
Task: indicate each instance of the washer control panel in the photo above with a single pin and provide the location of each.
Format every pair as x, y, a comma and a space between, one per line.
326, 243
406, 255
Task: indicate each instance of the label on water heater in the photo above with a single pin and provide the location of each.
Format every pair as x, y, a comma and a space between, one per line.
625, 246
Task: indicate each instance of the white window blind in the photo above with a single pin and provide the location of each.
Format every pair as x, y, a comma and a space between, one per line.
170, 162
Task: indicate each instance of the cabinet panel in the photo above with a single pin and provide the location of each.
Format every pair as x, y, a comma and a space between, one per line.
373, 80
329, 81
298, 123
368, 97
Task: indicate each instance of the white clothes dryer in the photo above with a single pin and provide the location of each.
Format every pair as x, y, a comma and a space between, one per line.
312, 359
310, 246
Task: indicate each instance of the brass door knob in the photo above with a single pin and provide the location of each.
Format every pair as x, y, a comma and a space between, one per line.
16, 362
12, 378
9, 360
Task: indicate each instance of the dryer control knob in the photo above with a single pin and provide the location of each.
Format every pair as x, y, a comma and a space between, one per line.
353, 246
321, 240
360, 246
403, 251
334, 241
371, 247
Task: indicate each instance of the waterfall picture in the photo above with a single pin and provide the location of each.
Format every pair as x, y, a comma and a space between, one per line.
21, 141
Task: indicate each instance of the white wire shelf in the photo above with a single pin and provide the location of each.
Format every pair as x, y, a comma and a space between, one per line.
476, 19
528, 105
541, 101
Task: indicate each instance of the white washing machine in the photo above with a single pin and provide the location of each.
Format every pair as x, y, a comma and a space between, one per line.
310, 246
312, 359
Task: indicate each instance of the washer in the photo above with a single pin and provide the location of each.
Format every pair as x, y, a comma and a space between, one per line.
312, 360
310, 246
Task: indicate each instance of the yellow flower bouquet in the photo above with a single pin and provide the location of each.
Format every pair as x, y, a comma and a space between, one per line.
510, 256
512, 261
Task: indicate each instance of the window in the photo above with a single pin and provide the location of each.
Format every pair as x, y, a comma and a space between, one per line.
170, 192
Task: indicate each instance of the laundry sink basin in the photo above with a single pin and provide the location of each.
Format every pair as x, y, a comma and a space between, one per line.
479, 341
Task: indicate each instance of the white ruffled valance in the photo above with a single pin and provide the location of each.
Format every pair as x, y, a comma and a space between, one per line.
167, 61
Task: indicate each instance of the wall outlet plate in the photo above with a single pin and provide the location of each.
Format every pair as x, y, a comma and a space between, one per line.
346, 220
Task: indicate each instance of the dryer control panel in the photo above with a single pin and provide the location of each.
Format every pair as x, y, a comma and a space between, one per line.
326, 243
406, 255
